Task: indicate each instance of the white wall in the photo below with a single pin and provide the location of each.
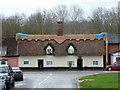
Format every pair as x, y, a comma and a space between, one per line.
60, 61
88, 61
114, 56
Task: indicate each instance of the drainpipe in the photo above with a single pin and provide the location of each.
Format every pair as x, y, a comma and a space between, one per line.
106, 39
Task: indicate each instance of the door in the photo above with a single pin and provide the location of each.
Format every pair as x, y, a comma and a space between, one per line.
79, 63
118, 59
40, 64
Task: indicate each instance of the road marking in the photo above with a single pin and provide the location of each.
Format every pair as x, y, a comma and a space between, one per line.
34, 86
40, 83
43, 80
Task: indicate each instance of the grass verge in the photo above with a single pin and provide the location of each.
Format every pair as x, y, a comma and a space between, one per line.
105, 80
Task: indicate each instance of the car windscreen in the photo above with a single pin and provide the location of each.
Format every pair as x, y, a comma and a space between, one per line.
117, 63
3, 69
15, 69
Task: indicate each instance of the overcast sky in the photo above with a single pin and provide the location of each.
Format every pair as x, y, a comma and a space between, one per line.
10, 7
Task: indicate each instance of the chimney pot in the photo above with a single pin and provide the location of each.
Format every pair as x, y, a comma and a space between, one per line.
59, 28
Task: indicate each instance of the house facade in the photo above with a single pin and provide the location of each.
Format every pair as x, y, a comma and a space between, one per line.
8, 52
113, 48
115, 56
61, 51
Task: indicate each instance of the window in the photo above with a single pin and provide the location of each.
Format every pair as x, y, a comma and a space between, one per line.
116, 63
2, 53
49, 62
117, 59
70, 63
3, 50
95, 62
26, 62
70, 50
3, 62
49, 50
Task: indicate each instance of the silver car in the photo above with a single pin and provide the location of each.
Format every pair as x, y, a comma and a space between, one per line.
2, 83
7, 75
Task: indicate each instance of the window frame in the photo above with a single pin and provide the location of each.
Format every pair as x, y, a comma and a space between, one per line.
95, 63
48, 53
3, 53
49, 48
49, 63
26, 61
73, 64
69, 50
0, 53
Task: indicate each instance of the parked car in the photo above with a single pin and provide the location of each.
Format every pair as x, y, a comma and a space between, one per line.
7, 73
2, 83
114, 66
18, 73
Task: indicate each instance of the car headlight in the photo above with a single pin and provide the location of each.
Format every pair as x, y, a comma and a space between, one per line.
7, 77
106, 66
2, 77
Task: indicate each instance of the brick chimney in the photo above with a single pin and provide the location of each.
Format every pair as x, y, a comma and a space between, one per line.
60, 28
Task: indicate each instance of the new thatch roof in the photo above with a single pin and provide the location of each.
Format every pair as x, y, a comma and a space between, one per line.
60, 39
85, 44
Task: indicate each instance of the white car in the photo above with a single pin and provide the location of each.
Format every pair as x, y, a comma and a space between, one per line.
2, 83
7, 75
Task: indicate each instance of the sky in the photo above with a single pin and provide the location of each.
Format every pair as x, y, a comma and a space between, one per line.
11, 7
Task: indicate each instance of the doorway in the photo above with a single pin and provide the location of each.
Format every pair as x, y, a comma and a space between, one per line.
79, 64
40, 64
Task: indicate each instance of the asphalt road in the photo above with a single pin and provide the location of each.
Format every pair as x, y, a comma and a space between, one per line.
53, 79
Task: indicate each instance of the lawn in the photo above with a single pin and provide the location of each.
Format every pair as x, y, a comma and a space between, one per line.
105, 80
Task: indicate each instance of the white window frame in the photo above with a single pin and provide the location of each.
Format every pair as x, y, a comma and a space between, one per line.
49, 48
27, 61
49, 64
3, 53
71, 61
47, 52
69, 50
95, 63
6, 62
0, 53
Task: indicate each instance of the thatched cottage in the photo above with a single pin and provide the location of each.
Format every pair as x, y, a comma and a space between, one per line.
61, 51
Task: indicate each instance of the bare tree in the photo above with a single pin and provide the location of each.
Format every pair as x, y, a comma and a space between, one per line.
76, 13
12, 25
60, 13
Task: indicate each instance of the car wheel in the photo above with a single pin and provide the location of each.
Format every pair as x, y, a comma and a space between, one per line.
109, 69
21, 79
7, 86
4, 87
13, 84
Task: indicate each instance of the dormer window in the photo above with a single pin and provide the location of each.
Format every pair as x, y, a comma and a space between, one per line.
3, 51
71, 50
49, 50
